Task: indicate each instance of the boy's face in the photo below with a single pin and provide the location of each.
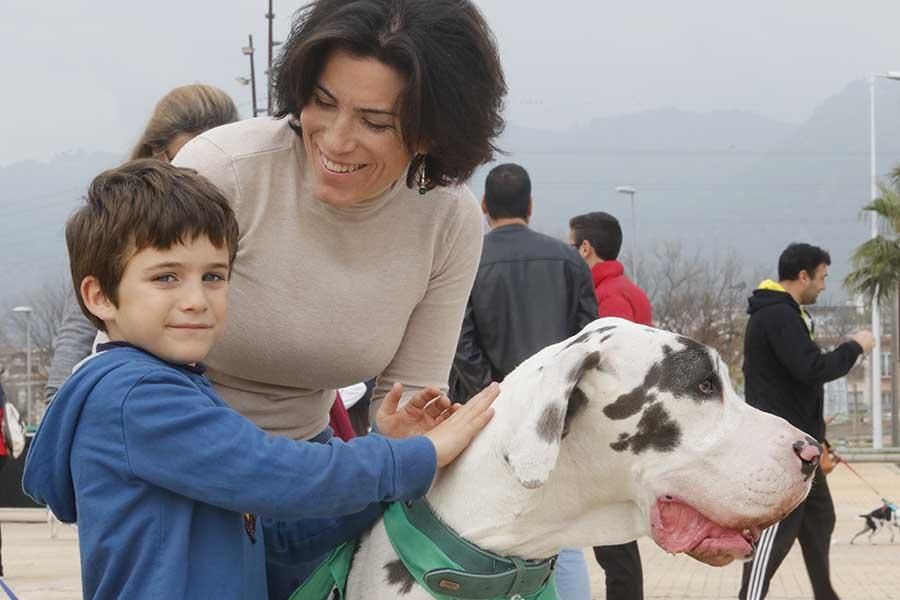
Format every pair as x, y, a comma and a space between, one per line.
172, 302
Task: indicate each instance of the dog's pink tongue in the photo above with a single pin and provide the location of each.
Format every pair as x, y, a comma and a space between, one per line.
677, 527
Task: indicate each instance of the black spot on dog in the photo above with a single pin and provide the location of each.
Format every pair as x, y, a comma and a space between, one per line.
655, 431
629, 404
689, 372
588, 335
549, 427
553, 422
577, 402
622, 444
397, 574
590, 361
580, 339
605, 337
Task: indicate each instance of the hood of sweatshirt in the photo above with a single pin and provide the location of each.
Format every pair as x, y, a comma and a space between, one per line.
770, 292
48, 474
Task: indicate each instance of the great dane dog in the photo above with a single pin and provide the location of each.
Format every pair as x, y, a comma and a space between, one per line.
619, 431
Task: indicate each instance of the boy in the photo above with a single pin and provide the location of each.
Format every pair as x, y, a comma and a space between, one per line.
165, 481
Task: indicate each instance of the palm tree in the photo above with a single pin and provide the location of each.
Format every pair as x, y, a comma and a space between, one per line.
876, 274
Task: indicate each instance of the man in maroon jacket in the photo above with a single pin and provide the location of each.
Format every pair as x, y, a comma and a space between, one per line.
598, 238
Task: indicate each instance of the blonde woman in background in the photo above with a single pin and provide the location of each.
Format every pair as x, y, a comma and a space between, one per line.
178, 117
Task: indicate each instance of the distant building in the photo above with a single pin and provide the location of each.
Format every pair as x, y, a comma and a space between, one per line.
846, 399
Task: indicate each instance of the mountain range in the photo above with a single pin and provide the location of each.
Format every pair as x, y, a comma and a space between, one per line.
716, 182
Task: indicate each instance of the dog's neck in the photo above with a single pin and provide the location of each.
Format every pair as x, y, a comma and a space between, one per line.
481, 499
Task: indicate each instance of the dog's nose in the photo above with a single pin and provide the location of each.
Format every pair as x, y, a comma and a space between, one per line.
809, 451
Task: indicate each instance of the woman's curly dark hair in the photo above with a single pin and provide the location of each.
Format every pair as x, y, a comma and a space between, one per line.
453, 97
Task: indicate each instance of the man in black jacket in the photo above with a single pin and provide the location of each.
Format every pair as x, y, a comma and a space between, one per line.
531, 291
785, 373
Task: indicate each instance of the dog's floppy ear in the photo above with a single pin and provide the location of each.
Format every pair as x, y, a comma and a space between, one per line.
534, 448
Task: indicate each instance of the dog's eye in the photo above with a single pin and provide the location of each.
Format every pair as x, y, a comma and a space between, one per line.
707, 387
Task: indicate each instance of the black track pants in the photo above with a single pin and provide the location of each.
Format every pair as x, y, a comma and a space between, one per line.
812, 524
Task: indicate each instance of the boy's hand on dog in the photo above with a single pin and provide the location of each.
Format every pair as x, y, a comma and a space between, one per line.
452, 436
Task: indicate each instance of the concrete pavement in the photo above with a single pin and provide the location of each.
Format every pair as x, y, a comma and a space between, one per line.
41, 568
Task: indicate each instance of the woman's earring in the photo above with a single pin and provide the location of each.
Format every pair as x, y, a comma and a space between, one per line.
420, 176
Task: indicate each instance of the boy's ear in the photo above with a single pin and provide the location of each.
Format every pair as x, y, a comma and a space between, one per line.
95, 299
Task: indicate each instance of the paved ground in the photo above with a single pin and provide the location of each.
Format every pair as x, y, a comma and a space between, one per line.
859, 572
40, 568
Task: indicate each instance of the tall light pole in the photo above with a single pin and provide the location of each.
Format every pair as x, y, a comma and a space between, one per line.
271, 17
26, 310
876, 317
630, 191
248, 51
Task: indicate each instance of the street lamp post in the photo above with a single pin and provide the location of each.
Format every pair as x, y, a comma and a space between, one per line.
248, 51
875, 369
630, 191
26, 310
270, 15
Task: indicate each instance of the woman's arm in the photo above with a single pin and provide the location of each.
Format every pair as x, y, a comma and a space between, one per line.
429, 342
73, 344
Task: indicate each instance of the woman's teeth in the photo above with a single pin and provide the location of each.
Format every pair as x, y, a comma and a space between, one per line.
338, 167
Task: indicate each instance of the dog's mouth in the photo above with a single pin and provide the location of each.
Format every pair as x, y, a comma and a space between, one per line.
678, 527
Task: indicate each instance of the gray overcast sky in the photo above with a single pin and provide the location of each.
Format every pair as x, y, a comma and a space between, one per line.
85, 74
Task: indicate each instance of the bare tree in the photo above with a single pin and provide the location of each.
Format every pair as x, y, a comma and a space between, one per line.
48, 303
836, 322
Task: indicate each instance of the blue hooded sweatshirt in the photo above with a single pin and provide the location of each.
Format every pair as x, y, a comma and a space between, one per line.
165, 482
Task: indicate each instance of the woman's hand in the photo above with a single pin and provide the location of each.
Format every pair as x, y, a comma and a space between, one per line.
420, 415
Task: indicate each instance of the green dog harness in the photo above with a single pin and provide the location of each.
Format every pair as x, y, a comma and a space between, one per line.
443, 563
330, 576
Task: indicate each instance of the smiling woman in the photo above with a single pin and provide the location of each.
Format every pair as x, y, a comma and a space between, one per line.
351, 132
359, 240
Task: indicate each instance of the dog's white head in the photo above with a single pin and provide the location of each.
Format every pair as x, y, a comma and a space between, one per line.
624, 429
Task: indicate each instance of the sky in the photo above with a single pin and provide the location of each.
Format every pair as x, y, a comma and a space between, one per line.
85, 74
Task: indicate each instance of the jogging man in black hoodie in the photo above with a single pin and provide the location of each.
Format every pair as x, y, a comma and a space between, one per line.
785, 373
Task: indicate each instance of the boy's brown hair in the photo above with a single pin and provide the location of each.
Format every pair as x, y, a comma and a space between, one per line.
140, 204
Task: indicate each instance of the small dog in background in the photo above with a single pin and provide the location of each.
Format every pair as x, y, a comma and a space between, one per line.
883, 516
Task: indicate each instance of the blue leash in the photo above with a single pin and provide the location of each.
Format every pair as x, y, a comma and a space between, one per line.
9, 592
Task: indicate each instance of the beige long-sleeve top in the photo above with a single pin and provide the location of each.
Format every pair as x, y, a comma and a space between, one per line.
324, 297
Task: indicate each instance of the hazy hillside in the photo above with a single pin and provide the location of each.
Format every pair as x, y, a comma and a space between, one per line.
35, 199
716, 181
719, 180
